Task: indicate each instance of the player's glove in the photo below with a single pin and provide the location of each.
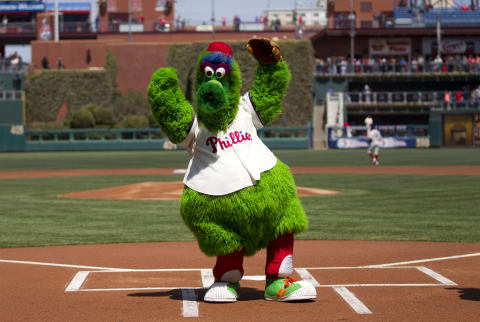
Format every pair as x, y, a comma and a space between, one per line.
264, 50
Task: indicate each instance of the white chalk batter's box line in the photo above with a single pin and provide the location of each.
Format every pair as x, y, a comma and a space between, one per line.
189, 295
208, 279
190, 300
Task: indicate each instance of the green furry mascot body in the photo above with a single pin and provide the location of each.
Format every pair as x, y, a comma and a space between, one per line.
238, 198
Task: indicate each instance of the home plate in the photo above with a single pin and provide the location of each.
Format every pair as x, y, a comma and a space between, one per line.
163, 190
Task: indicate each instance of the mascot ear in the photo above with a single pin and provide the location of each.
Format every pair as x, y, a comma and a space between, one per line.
264, 50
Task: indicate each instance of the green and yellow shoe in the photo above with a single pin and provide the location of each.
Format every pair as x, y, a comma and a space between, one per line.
222, 292
288, 289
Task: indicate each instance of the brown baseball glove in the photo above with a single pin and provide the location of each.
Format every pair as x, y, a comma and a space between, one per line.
264, 50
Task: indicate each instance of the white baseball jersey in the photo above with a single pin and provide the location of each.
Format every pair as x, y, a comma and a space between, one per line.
375, 136
224, 162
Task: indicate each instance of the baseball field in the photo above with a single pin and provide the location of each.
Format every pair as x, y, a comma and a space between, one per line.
412, 221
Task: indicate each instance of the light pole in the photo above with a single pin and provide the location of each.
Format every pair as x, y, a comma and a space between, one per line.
213, 19
439, 37
351, 17
129, 22
56, 24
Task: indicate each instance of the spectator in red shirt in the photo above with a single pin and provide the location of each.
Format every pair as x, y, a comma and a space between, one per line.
459, 96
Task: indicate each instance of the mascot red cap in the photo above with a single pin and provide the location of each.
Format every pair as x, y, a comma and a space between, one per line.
221, 47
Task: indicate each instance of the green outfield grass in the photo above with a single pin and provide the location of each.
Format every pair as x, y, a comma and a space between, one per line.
149, 159
379, 207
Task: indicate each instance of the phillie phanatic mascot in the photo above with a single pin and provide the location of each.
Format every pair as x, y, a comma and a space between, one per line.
238, 197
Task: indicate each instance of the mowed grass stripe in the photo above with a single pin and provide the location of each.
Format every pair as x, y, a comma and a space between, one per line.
378, 207
179, 159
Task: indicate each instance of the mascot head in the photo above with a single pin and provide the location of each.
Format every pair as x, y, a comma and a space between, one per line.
217, 86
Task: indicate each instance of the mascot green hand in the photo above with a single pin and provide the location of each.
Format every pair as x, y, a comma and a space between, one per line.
238, 197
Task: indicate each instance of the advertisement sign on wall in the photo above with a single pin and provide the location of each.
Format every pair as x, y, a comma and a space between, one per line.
363, 142
451, 46
21, 6
386, 46
454, 46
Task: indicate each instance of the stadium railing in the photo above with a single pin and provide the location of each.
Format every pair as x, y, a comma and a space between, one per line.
8, 67
431, 99
299, 137
347, 69
18, 28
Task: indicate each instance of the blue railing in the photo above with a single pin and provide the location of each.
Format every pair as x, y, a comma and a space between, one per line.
147, 139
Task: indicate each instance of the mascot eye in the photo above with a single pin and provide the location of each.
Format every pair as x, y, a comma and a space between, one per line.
209, 71
220, 72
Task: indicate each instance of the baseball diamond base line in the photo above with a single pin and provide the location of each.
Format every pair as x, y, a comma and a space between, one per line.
190, 302
36, 285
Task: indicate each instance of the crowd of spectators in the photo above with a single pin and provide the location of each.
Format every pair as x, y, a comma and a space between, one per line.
397, 64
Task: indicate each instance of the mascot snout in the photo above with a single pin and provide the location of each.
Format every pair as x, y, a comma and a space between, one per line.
211, 96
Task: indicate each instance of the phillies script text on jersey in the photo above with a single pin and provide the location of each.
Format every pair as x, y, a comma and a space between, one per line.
235, 138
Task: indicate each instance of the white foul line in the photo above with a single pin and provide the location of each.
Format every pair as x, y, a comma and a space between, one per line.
59, 265
352, 300
307, 276
423, 260
190, 303
435, 275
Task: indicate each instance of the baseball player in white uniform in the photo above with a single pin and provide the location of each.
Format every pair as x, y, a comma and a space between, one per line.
375, 138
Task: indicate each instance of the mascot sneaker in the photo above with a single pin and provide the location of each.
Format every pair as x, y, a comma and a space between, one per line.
222, 292
288, 289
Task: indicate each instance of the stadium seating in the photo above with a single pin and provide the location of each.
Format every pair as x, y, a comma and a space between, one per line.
449, 17
452, 17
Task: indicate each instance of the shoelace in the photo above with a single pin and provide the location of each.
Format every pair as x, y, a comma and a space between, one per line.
289, 281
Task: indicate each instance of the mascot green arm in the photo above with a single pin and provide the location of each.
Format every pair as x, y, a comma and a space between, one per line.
171, 110
271, 80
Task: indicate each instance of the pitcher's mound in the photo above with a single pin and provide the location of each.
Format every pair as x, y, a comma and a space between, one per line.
164, 190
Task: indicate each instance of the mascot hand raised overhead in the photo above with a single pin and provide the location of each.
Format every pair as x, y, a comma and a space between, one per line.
238, 197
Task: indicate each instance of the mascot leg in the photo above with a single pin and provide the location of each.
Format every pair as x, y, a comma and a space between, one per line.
280, 257
228, 271
279, 286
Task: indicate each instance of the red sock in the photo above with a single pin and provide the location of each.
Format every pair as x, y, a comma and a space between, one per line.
232, 264
277, 250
